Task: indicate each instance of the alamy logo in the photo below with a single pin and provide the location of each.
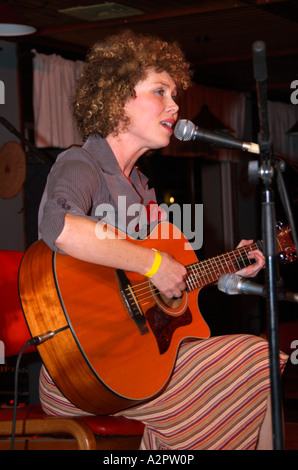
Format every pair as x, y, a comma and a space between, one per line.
133, 219
294, 355
294, 94
2, 353
2, 92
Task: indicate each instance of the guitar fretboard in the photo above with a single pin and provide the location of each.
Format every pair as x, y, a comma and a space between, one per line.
208, 271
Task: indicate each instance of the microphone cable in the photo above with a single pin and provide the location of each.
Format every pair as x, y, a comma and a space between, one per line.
15, 393
32, 342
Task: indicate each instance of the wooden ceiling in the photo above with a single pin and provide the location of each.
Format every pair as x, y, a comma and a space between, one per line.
217, 36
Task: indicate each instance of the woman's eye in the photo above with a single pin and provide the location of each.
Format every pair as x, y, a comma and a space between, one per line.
162, 92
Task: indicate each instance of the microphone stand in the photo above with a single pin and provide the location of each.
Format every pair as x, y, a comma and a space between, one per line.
265, 171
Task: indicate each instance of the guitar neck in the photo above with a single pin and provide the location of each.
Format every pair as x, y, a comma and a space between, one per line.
207, 272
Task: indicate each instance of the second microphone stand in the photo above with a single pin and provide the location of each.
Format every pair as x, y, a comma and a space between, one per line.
265, 170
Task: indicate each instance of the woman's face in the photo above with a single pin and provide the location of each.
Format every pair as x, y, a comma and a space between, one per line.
153, 112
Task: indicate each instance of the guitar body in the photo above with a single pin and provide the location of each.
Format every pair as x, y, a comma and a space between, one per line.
105, 357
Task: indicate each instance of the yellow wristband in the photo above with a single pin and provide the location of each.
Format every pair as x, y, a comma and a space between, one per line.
155, 265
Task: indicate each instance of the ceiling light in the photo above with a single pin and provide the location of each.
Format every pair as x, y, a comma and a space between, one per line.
11, 22
100, 12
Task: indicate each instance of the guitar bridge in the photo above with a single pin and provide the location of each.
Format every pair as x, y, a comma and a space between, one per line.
131, 302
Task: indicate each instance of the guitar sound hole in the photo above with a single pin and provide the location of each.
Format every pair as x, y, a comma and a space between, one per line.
173, 302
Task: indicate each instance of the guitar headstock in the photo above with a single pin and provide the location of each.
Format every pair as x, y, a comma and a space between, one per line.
285, 244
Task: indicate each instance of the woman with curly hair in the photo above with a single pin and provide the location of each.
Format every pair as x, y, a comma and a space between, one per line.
218, 395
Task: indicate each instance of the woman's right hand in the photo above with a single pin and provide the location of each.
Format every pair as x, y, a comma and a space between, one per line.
170, 277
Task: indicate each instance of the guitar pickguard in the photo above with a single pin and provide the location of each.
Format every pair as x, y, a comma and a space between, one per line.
163, 325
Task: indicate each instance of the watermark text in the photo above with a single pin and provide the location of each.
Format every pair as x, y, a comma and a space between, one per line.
133, 220
2, 92
294, 94
2, 353
294, 355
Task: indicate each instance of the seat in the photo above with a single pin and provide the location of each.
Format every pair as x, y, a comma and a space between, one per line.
35, 430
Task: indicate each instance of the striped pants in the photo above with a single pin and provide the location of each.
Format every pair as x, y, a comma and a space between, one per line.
216, 398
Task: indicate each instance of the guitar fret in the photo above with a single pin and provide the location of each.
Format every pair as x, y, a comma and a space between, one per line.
207, 272
223, 266
190, 279
243, 262
230, 264
233, 260
213, 265
238, 265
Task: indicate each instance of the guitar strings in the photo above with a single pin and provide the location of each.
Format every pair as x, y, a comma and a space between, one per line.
146, 288
195, 267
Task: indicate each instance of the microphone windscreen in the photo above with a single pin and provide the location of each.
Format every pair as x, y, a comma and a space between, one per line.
228, 283
259, 56
184, 129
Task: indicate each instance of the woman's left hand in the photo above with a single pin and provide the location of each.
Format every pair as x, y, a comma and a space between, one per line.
253, 269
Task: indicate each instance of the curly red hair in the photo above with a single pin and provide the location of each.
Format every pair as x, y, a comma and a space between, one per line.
113, 68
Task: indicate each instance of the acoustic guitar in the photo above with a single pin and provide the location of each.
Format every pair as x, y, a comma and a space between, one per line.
115, 337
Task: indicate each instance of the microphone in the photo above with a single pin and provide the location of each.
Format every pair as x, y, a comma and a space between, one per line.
232, 284
260, 73
186, 130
